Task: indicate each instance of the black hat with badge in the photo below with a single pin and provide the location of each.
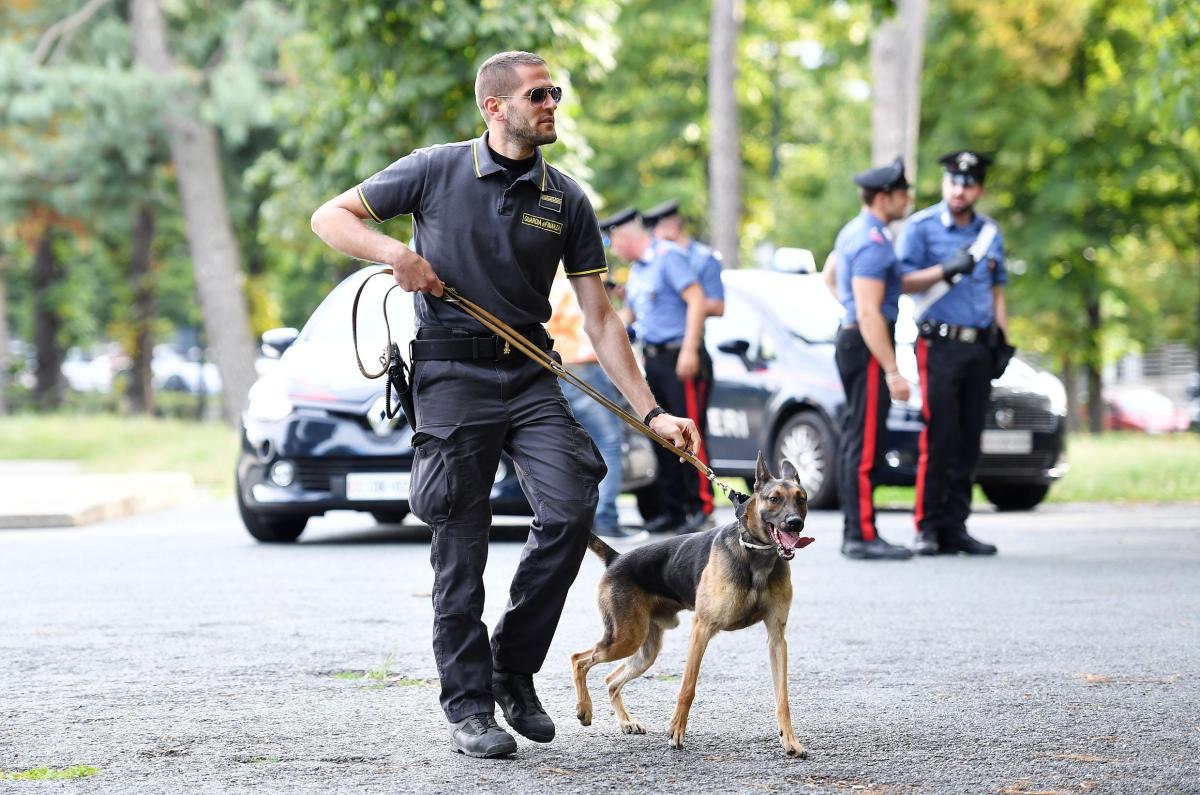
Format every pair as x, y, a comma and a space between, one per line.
619, 218
965, 167
885, 178
658, 212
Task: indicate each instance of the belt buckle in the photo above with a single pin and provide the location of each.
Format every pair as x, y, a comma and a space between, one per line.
968, 334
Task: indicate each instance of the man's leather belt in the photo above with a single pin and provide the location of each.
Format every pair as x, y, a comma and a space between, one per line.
433, 343
946, 331
661, 348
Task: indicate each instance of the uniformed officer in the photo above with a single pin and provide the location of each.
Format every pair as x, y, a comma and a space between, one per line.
954, 356
666, 305
494, 220
868, 285
666, 223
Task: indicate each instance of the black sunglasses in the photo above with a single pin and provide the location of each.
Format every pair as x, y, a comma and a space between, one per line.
538, 95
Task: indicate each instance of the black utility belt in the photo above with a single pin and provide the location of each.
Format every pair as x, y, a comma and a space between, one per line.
661, 348
945, 331
454, 344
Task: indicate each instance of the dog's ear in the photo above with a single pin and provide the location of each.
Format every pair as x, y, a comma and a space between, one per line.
788, 472
761, 473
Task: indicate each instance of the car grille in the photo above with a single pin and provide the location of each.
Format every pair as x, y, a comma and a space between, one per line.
316, 474
993, 464
1021, 413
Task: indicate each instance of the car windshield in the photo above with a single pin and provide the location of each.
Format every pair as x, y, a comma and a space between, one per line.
330, 323
810, 313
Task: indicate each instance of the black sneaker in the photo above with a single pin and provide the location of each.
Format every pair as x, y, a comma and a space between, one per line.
481, 737
696, 522
621, 535
522, 709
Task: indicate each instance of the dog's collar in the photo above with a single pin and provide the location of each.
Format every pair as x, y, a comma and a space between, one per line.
748, 545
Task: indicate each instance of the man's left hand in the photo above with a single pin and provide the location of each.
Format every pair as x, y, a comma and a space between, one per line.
680, 431
687, 366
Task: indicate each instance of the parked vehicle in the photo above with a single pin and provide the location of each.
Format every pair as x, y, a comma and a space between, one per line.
776, 388
315, 435
1142, 409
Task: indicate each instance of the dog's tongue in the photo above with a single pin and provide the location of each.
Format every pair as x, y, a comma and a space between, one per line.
793, 541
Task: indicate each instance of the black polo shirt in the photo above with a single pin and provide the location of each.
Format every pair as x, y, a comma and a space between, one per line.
497, 244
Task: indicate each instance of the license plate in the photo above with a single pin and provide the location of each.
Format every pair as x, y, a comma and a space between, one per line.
377, 486
1007, 442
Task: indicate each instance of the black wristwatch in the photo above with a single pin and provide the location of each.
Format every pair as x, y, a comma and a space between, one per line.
652, 413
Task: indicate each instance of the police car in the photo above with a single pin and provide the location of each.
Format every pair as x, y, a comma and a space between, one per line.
316, 436
776, 388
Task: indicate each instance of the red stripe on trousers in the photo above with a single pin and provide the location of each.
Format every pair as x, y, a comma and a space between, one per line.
923, 459
693, 411
866, 505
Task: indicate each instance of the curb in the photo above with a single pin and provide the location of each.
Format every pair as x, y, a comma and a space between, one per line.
58, 497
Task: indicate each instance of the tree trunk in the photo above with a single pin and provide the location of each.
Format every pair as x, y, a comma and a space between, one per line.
897, 58
1070, 384
141, 275
47, 324
1095, 399
725, 156
211, 242
3, 337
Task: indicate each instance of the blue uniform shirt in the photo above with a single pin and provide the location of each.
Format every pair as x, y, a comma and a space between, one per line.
930, 237
653, 291
864, 249
707, 265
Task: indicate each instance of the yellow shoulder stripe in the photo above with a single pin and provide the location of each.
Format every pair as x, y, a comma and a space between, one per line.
589, 273
366, 206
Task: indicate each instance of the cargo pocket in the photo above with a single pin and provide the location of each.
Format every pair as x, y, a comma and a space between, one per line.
431, 492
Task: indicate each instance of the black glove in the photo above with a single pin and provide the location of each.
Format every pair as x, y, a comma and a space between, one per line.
962, 262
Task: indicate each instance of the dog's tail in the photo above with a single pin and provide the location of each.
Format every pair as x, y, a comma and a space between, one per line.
606, 553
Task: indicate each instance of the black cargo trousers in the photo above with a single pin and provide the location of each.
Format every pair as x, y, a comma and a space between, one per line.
468, 411
956, 384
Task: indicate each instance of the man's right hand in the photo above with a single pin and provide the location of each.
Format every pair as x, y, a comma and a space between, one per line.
679, 431
897, 387
415, 275
960, 263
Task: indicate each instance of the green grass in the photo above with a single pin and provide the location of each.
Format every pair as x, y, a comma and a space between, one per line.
111, 444
1110, 467
50, 773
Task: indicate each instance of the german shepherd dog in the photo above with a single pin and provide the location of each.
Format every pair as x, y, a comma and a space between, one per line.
732, 576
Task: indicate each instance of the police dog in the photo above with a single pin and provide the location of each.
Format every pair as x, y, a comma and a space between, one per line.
731, 576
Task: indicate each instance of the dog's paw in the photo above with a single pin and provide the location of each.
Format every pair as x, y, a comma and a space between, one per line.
584, 713
793, 748
633, 727
675, 735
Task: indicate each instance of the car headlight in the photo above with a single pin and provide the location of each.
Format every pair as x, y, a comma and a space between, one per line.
1056, 393
268, 401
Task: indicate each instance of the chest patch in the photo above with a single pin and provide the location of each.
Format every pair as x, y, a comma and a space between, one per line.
551, 200
545, 224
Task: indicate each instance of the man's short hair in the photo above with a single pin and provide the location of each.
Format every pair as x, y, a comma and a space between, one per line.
498, 74
867, 195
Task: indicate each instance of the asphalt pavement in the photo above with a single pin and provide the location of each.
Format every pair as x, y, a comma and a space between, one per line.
173, 653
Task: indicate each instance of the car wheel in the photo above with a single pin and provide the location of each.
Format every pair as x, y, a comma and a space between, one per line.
806, 440
1015, 496
389, 517
271, 529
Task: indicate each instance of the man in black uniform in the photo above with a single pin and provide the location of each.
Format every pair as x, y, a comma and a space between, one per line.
493, 220
868, 285
959, 313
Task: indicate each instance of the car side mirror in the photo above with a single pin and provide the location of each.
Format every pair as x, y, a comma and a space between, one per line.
277, 340
737, 348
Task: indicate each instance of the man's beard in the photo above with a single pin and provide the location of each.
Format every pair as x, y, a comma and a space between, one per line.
522, 131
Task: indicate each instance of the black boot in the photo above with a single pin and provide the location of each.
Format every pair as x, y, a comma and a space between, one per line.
926, 543
517, 698
480, 736
875, 549
960, 541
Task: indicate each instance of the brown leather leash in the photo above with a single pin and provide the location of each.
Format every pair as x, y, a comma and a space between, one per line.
391, 361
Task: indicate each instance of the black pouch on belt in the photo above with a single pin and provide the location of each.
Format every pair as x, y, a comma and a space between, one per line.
397, 379
1002, 352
